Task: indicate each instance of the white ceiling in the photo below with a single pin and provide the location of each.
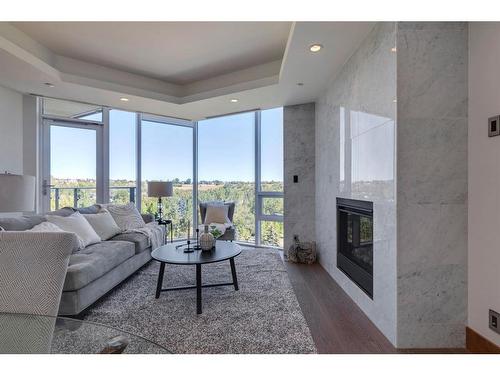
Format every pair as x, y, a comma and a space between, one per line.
176, 52
194, 74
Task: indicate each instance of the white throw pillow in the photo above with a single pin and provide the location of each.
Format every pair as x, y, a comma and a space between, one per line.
76, 223
49, 227
217, 213
45, 226
126, 216
103, 224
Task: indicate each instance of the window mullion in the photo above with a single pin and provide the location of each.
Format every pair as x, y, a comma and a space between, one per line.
195, 176
104, 185
138, 158
258, 203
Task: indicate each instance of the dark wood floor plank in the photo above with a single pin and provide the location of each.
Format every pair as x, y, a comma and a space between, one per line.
336, 323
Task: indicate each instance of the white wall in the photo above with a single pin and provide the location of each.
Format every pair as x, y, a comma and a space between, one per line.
484, 178
11, 131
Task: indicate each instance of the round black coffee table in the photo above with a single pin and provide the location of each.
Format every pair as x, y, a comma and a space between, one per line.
173, 254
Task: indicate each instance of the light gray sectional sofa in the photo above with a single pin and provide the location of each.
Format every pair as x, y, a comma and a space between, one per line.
95, 270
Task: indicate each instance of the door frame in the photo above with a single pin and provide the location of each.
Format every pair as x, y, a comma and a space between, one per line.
45, 167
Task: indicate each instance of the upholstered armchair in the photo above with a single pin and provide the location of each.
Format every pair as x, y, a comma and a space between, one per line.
32, 272
230, 233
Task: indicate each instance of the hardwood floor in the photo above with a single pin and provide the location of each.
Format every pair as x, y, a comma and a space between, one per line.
336, 323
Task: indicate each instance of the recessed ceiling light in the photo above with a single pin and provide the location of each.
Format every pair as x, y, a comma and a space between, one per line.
315, 47
393, 49
300, 84
234, 100
124, 99
48, 84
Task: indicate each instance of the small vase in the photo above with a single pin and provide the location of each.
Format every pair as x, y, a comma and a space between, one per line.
207, 240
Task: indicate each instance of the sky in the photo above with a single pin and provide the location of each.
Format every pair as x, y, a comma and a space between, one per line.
225, 149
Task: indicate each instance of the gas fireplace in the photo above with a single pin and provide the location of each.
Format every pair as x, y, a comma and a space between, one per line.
355, 241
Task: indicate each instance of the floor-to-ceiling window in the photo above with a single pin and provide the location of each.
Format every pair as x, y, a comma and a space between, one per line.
270, 192
98, 154
240, 158
122, 156
167, 155
226, 167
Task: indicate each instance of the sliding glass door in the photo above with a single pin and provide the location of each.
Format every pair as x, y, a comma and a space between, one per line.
71, 170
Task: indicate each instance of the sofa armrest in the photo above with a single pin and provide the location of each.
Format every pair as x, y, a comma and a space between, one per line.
148, 218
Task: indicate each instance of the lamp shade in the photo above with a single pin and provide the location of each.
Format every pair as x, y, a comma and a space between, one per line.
160, 189
17, 193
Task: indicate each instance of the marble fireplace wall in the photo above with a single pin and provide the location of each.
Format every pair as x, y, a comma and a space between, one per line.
299, 201
431, 184
355, 158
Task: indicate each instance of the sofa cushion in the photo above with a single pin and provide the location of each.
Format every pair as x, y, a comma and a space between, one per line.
65, 211
140, 240
89, 210
94, 261
148, 218
20, 223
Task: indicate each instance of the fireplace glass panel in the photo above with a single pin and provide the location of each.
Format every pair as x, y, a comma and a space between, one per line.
359, 244
355, 241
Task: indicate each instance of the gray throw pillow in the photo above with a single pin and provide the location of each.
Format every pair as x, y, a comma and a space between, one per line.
21, 222
126, 216
104, 224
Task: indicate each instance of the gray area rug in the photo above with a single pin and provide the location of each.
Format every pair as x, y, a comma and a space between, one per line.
264, 316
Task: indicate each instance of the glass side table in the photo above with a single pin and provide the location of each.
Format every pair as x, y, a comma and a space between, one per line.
40, 334
166, 222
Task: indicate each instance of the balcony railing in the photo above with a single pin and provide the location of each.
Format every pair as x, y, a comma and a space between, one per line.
76, 193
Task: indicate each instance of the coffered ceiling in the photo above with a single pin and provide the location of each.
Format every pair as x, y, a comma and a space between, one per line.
183, 69
175, 52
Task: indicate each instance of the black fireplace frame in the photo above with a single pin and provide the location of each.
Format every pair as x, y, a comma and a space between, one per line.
358, 275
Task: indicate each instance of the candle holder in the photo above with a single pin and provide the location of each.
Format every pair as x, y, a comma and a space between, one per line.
197, 245
189, 249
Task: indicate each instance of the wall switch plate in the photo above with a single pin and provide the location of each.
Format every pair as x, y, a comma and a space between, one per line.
494, 321
494, 126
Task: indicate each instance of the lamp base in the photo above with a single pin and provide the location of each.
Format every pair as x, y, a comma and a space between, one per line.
159, 215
